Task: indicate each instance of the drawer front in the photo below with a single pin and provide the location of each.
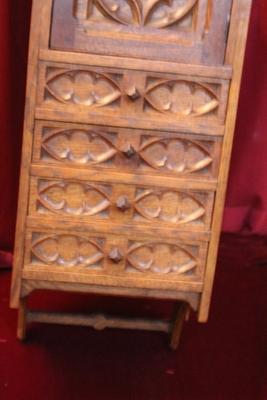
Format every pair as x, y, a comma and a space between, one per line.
121, 203
129, 150
130, 257
189, 31
80, 93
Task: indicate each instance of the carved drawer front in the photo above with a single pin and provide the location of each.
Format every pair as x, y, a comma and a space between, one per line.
191, 31
117, 256
121, 203
131, 98
129, 150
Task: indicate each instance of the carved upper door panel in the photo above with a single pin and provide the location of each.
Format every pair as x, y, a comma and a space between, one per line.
192, 31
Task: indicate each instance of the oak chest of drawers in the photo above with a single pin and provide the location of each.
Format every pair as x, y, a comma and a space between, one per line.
129, 123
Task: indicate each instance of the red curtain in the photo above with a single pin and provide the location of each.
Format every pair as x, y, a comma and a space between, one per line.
246, 206
14, 28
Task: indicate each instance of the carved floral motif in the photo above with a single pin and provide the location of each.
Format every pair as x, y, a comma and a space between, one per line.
169, 206
180, 97
175, 155
72, 250
168, 96
161, 258
86, 147
150, 13
67, 250
82, 199
79, 146
87, 88
73, 198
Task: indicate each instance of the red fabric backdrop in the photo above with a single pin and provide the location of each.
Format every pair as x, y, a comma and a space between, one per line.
246, 207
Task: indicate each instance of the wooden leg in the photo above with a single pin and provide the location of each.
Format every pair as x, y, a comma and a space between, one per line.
22, 321
180, 315
100, 321
188, 313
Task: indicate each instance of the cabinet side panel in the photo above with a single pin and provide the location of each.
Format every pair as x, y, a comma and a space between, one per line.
235, 57
36, 24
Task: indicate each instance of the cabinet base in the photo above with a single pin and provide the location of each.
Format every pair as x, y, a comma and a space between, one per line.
101, 321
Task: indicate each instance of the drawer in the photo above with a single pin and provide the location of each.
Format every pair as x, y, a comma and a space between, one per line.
121, 203
130, 98
189, 31
129, 258
129, 150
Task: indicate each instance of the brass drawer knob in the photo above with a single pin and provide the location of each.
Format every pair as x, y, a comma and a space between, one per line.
133, 93
123, 203
129, 151
115, 255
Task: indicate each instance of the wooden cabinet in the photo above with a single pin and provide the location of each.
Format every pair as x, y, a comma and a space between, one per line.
129, 122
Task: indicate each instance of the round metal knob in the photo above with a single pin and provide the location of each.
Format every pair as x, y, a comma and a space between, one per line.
133, 93
123, 203
115, 255
129, 150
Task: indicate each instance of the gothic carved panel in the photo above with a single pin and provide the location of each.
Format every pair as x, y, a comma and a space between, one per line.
132, 203
175, 155
81, 87
182, 31
126, 93
73, 198
67, 250
168, 154
185, 98
115, 255
169, 206
161, 258
151, 13
79, 146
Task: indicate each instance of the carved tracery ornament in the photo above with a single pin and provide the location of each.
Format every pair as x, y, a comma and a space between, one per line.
161, 258
82, 199
80, 146
71, 250
73, 198
169, 206
87, 88
175, 155
151, 13
67, 250
181, 97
